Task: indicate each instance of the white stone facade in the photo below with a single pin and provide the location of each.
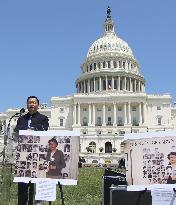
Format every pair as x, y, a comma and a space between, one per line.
110, 101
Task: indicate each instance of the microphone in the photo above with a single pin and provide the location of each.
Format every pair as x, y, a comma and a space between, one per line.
22, 111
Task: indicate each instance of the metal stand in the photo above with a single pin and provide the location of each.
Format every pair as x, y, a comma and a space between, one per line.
8, 162
62, 194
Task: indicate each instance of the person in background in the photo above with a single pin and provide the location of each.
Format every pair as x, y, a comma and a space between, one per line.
33, 120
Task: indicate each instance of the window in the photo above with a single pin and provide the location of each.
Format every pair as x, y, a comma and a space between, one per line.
135, 123
119, 108
109, 108
90, 67
92, 147
158, 107
108, 147
104, 84
109, 84
99, 132
85, 121
99, 66
133, 108
84, 109
121, 132
120, 121
84, 132
115, 64
109, 121
159, 120
109, 64
98, 109
61, 109
123, 64
115, 84
61, 122
104, 64
120, 64
99, 123
95, 66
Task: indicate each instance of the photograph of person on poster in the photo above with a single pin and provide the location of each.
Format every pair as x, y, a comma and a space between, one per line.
55, 159
170, 173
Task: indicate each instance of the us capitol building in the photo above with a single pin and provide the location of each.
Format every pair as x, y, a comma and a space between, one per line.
110, 100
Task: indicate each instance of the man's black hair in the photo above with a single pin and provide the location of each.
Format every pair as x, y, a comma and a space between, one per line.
53, 140
33, 97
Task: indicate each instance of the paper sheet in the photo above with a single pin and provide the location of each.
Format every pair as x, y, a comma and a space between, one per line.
162, 196
45, 190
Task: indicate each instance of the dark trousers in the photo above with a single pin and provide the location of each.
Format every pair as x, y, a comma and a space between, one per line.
25, 193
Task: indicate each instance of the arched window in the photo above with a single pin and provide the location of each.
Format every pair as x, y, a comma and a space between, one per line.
104, 64
90, 67
115, 64
108, 147
85, 121
99, 66
92, 147
109, 64
95, 65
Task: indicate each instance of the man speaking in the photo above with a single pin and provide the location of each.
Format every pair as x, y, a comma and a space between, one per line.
33, 120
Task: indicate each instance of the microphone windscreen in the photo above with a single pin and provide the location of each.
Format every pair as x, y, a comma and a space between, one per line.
22, 110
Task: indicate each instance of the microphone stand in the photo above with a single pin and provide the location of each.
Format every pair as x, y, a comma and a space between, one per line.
7, 163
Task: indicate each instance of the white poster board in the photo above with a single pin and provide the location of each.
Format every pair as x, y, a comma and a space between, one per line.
151, 158
36, 161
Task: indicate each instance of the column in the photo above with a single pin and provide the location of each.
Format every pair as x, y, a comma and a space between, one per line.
115, 115
99, 83
135, 85
94, 84
119, 83
125, 114
129, 113
93, 121
140, 114
139, 86
144, 88
79, 113
112, 83
90, 121
131, 85
125, 84
88, 85
84, 86
106, 82
104, 115
74, 114
144, 112
112, 66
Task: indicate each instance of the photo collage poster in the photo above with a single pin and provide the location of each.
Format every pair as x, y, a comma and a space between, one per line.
47, 154
151, 161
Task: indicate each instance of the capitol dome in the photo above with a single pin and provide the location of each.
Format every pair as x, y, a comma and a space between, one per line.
110, 65
110, 42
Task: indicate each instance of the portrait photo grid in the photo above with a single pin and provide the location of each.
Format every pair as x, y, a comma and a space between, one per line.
150, 162
31, 153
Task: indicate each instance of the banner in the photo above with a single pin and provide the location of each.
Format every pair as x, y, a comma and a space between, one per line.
150, 158
47, 154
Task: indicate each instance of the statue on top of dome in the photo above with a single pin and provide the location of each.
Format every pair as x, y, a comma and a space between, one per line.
108, 12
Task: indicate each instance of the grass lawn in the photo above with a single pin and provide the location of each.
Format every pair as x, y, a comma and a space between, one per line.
87, 192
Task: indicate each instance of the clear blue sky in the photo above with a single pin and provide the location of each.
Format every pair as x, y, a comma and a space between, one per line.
44, 42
